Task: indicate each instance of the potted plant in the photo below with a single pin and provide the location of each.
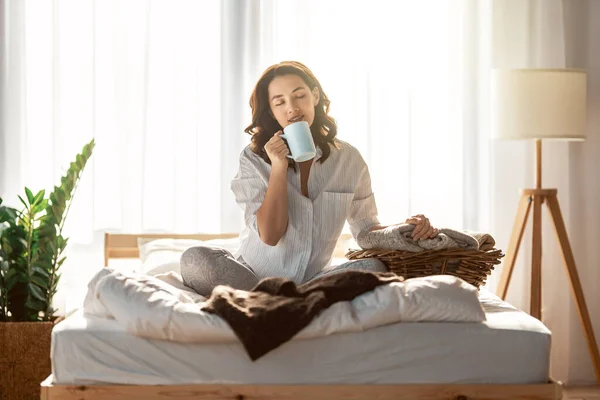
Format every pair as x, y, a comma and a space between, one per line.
31, 254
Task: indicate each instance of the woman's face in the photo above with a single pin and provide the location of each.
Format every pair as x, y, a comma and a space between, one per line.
291, 100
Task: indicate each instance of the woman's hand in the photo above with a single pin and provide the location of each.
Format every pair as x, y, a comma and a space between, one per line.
277, 151
423, 228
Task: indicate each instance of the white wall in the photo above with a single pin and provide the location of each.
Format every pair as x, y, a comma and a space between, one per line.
582, 22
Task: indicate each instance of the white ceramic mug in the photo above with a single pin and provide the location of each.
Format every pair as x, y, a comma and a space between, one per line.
300, 141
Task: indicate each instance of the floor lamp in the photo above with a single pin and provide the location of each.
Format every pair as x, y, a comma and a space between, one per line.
541, 104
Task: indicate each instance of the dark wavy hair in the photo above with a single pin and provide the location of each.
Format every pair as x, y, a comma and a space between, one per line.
264, 125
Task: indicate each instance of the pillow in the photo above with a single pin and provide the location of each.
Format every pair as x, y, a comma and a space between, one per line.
160, 256
160, 262
147, 246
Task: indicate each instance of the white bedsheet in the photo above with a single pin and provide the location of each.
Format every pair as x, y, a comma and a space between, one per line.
509, 347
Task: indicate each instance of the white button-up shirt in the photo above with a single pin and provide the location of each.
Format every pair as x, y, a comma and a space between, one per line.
338, 190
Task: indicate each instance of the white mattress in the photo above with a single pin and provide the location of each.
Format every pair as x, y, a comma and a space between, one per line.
510, 347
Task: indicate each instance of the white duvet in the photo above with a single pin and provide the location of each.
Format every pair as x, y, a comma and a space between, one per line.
161, 307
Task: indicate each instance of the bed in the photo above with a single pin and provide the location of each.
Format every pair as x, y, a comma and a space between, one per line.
507, 357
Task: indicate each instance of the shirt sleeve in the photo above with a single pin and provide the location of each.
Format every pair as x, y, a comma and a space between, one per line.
249, 190
363, 210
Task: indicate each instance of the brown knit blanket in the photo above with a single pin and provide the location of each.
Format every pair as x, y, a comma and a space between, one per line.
276, 309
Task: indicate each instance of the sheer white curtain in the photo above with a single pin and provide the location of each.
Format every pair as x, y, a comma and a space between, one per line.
141, 77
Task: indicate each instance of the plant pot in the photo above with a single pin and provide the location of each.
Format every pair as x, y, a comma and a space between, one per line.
24, 358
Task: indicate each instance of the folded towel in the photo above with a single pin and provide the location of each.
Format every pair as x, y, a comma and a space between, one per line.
395, 237
276, 309
398, 237
462, 239
485, 240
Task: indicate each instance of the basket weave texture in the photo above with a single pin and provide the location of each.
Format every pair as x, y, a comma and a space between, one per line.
24, 358
473, 266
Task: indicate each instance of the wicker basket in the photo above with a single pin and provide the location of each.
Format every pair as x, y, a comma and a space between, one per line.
24, 358
473, 266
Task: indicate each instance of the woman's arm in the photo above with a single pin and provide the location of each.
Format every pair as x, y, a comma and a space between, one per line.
272, 216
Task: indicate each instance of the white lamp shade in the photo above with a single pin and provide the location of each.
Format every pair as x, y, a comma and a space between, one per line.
538, 104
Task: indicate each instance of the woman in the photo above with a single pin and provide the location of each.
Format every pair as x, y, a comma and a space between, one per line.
294, 212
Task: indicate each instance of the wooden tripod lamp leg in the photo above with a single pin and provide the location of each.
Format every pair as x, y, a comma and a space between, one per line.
514, 244
535, 308
584, 316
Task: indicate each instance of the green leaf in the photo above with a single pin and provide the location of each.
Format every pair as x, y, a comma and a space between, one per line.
30, 196
36, 292
61, 261
58, 212
41, 271
39, 196
39, 281
49, 216
24, 202
60, 196
40, 206
22, 241
12, 213
35, 304
53, 196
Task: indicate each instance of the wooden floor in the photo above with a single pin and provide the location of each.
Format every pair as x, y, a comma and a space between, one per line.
581, 393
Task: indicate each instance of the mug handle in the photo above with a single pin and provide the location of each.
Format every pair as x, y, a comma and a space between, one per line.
284, 137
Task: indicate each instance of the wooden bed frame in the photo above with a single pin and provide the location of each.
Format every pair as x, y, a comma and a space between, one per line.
125, 246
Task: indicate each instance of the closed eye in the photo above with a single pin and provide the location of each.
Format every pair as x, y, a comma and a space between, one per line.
303, 95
